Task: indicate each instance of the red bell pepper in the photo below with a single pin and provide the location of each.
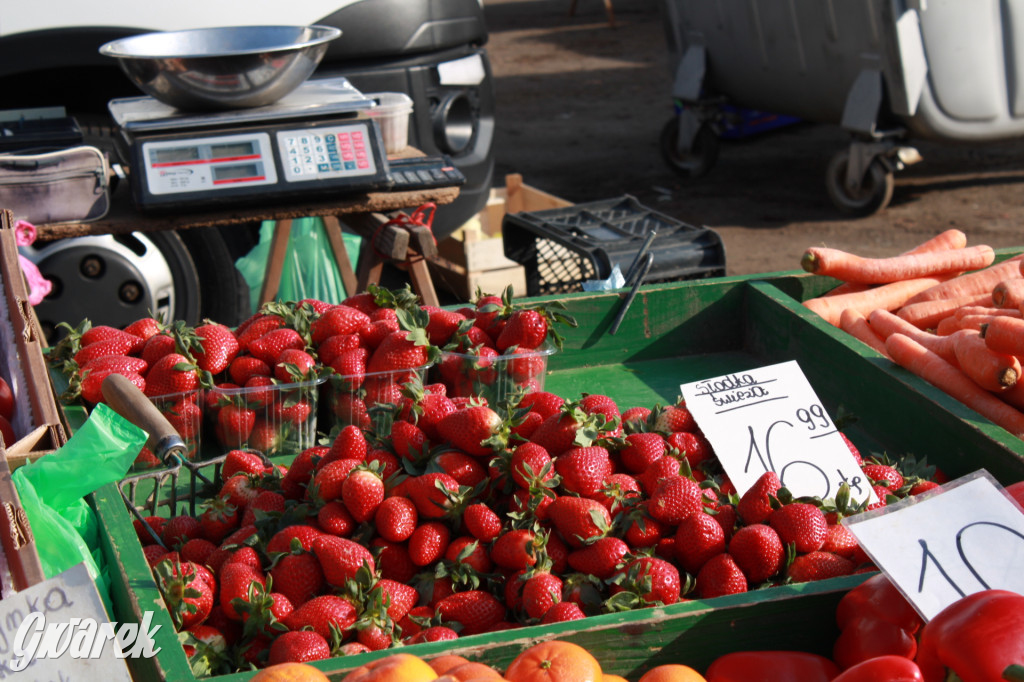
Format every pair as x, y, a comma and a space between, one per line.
877, 595
771, 666
977, 637
870, 636
882, 669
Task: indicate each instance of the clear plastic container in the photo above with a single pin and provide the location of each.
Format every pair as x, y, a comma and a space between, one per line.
363, 399
392, 115
275, 420
494, 377
185, 412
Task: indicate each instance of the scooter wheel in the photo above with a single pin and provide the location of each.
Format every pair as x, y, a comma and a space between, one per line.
871, 196
692, 163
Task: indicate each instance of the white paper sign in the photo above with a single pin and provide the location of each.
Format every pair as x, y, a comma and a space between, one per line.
964, 537
769, 419
58, 610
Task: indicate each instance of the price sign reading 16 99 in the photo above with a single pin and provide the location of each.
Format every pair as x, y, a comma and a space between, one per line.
769, 419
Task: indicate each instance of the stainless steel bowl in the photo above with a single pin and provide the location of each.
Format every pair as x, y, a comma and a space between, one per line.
229, 67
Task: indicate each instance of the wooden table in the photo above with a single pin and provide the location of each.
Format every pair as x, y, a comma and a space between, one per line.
363, 213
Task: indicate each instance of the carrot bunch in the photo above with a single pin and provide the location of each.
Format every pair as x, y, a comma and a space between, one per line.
943, 310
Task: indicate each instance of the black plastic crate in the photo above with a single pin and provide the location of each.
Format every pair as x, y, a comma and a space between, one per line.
563, 247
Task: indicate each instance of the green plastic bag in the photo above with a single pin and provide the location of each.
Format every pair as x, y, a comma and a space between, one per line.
53, 489
309, 268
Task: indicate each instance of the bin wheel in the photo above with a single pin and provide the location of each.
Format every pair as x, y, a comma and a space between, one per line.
872, 196
700, 158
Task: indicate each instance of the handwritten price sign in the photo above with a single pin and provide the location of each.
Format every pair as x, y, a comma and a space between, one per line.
769, 419
945, 545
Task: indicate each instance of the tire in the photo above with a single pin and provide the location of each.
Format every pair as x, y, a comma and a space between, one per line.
223, 292
701, 157
872, 196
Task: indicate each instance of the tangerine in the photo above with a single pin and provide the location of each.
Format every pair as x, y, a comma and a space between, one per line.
394, 668
672, 672
610, 677
289, 672
554, 661
471, 670
445, 662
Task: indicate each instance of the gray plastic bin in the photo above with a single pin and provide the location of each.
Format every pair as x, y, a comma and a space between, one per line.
885, 70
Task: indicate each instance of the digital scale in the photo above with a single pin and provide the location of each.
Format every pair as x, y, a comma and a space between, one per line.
312, 143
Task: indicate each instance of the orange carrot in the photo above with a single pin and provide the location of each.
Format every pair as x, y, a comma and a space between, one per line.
885, 324
972, 283
914, 357
851, 268
856, 325
1009, 293
886, 297
976, 321
1004, 335
947, 326
986, 310
991, 370
944, 241
927, 314
1013, 395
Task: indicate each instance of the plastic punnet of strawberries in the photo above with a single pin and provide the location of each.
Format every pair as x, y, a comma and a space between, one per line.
464, 516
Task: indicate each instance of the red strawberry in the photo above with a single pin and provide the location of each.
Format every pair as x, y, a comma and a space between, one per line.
818, 565
298, 646
540, 592
401, 350
578, 519
698, 538
525, 328
219, 347
339, 320
197, 550
158, 346
516, 549
294, 365
754, 505
349, 369
144, 328
180, 529
923, 486
839, 540
651, 579
409, 441
675, 498
694, 446
562, 612
183, 414
173, 373
656, 471
282, 539
242, 462
92, 380
235, 579
482, 522
298, 576
401, 598
802, 524
584, 470
187, 593
542, 402
362, 492
235, 424
125, 344
327, 483
675, 418
853, 449
218, 519
350, 443
428, 543
465, 470
335, 519
476, 430
636, 415
468, 551
396, 518
266, 503
325, 615
116, 363
478, 611
393, 559
641, 450
244, 367
568, 428
758, 552
530, 464
340, 558
432, 493
720, 576
442, 325
269, 346
884, 475
328, 350
601, 559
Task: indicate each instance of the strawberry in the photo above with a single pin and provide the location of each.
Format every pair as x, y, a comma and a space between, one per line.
853, 449
641, 450
637, 416
674, 499
467, 471
530, 464
818, 565
596, 403
187, 594
295, 480
180, 529
297, 576
401, 350
266, 503
482, 522
234, 425
643, 530
839, 540
540, 592
433, 494
675, 418
395, 518
218, 519
578, 519
92, 380
244, 367
242, 462
516, 549
298, 646
562, 612
144, 328
408, 441
698, 538
884, 475
477, 430
327, 351
328, 482
601, 559
922, 486
383, 322
758, 552
173, 373
542, 402
720, 576
568, 428
281, 541
235, 579
649, 579
294, 365
584, 470
158, 346
801, 524
339, 320
256, 326
340, 558
116, 363
327, 615
428, 543
434, 633
350, 443
362, 492
219, 347
476, 610
393, 559
656, 471
335, 519
727, 517
125, 344
197, 550
467, 551
694, 446
755, 504
399, 597
525, 328
269, 346
183, 414
442, 324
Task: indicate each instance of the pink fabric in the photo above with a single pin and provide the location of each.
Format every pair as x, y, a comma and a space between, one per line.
39, 286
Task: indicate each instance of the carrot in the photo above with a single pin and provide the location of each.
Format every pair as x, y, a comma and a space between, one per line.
1009, 293
885, 324
991, 370
944, 241
986, 310
914, 357
887, 297
978, 282
927, 314
1004, 335
947, 326
1014, 395
976, 321
851, 268
856, 325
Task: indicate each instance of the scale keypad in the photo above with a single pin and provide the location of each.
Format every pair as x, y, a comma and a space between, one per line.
329, 152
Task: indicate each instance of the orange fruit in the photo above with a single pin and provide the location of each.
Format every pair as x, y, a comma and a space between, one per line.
445, 662
609, 677
289, 672
472, 670
554, 661
393, 668
672, 672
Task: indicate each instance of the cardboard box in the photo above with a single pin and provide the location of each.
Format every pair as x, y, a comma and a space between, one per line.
474, 257
37, 419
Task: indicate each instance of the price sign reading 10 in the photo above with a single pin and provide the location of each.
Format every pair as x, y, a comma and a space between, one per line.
769, 419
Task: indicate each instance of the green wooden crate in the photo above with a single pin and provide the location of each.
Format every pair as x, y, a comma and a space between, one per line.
675, 333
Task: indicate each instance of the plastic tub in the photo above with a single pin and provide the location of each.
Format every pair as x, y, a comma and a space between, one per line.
392, 115
494, 377
185, 413
363, 399
275, 420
